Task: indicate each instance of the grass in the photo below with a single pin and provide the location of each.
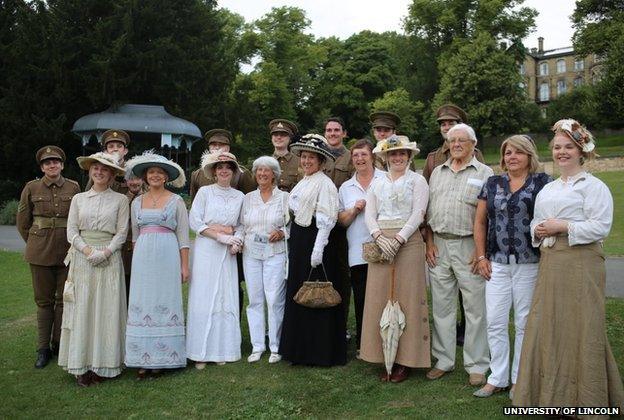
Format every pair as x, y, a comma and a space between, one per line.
614, 245
237, 390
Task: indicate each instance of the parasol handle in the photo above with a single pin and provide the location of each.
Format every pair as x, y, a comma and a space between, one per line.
392, 285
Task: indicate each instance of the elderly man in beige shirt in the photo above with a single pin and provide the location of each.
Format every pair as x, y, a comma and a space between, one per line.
453, 190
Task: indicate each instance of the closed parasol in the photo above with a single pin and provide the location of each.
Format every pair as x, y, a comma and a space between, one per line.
392, 324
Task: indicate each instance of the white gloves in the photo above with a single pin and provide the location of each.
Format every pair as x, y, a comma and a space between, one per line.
317, 257
97, 257
229, 239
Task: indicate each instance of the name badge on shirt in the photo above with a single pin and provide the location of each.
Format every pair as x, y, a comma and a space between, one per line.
475, 181
259, 247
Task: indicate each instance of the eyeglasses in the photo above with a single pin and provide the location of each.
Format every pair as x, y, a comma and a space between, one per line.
461, 141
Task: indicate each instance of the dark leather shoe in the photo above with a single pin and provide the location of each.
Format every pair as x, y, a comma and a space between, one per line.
43, 358
83, 380
96, 379
399, 374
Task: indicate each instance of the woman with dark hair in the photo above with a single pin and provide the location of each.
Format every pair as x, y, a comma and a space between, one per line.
352, 195
213, 331
312, 336
155, 337
566, 359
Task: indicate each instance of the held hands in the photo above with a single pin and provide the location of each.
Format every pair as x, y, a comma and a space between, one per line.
551, 227
388, 247
235, 249
484, 268
97, 257
229, 239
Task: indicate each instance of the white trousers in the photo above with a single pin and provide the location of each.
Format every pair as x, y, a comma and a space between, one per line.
510, 284
265, 280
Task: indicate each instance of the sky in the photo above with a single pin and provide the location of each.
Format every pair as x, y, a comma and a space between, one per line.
342, 18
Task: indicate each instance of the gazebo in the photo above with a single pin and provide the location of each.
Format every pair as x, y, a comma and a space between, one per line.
147, 122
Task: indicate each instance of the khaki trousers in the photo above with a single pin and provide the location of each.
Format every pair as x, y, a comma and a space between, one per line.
48, 284
453, 271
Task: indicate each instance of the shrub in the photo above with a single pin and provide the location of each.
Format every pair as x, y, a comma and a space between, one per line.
8, 212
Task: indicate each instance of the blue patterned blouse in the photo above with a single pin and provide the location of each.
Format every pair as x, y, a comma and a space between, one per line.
509, 218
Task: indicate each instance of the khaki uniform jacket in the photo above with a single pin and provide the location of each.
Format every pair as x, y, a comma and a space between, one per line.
45, 245
244, 182
291, 172
341, 169
441, 155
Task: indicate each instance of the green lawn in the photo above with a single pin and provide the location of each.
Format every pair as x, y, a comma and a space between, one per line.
237, 390
614, 245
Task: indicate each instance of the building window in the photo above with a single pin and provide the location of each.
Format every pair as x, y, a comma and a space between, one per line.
561, 87
544, 93
522, 69
578, 82
561, 66
543, 69
579, 65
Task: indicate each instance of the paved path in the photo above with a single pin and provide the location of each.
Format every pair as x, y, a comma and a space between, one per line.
11, 241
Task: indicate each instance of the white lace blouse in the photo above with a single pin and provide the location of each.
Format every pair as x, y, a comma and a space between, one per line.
401, 203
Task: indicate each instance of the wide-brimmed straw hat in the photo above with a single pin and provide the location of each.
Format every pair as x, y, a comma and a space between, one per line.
210, 159
579, 134
141, 163
312, 143
395, 142
106, 159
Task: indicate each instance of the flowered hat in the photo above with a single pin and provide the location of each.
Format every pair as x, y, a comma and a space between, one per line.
312, 143
395, 142
209, 159
579, 134
106, 159
149, 159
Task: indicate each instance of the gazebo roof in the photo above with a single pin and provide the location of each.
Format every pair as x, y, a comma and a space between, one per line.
137, 118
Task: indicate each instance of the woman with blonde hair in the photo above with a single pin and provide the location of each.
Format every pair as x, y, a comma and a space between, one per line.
94, 311
505, 256
566, 359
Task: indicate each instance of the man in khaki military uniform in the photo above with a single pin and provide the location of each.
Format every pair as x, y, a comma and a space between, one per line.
115, 142
220, 139
447, 116
42, 222
384, 124
282, 133
339, 171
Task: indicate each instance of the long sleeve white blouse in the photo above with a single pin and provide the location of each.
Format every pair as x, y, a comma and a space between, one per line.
403, 201
105, 211
583, 200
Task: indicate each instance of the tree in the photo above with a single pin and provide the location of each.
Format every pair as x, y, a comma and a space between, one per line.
483, 78
411, 113
599, 29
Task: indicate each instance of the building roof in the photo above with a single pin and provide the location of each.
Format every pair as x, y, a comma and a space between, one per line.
136, 118
556, 52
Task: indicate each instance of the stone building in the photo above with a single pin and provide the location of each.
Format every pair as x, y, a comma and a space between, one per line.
551, 73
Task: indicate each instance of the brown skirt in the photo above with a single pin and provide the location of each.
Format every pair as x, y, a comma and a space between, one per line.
566, 359
411, 293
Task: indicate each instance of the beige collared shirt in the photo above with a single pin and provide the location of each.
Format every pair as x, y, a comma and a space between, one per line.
453, 197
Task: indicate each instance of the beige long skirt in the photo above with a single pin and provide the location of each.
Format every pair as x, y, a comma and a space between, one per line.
566, 359
411, 293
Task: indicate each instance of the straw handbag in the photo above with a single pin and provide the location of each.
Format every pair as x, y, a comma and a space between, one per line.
317, 293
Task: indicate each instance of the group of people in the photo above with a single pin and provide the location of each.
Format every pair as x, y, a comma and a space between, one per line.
314, 210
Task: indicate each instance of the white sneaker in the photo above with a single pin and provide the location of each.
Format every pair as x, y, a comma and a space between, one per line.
275, 358
254, 357
220, 363
200, 365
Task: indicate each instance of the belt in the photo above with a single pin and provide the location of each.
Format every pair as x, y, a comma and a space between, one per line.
43, 222
391, 224
452, 236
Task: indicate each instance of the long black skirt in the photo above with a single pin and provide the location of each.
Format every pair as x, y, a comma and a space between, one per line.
314, 337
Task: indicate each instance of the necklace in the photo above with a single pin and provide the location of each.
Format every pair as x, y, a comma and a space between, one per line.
155, 200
